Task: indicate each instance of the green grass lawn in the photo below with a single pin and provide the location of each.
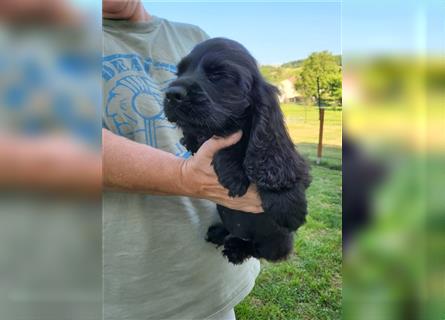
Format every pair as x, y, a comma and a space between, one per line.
308, 285
332, 157
303, 124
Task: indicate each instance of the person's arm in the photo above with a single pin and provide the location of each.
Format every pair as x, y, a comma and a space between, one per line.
133, 167
49, 163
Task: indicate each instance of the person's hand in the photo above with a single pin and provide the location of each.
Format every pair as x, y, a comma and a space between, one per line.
200, 180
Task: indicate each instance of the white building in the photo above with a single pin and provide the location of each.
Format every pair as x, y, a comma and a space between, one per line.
288, 92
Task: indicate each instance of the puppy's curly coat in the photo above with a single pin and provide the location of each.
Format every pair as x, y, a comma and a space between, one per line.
219, 90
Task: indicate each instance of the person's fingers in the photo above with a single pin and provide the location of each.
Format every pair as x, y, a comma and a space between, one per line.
252, 189
250, 202
244, 207
254, 199
255, 210
213, 145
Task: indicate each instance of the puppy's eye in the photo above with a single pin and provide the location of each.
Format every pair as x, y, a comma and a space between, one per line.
215, 76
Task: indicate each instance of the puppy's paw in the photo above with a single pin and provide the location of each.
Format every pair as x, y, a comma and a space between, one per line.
237, 185
216, 234
237, 250
231, 174
190, 143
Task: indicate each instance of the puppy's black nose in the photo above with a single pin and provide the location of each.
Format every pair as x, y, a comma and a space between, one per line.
176, 93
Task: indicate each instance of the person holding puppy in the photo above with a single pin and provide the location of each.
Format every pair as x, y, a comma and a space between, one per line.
160, 200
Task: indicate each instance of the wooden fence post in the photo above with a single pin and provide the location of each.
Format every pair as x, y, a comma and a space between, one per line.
320, 134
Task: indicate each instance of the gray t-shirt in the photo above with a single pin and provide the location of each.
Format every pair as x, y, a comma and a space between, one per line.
157, 264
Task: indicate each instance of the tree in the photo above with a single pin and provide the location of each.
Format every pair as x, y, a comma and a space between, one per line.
321, 77
321, 80
335, 89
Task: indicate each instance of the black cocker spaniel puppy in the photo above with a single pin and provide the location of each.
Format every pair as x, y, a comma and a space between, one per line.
219, 90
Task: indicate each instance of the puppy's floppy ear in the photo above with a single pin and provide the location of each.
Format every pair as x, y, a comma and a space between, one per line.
271, 160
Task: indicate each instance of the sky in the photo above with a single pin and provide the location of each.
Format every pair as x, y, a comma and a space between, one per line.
274, 32
393, 27
277, 32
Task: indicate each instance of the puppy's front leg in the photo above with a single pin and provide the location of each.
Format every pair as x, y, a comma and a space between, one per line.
237, 250
216, 234
229, 169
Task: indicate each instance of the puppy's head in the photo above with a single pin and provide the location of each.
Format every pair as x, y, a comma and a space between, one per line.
219, 90
212, 92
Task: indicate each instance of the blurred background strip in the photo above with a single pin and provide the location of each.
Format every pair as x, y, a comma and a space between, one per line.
393, 167
50, 165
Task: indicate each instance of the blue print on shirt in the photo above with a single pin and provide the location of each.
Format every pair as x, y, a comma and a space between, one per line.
45, 92
134, 104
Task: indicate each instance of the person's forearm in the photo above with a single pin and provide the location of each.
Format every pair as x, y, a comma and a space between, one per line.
49, 163
134, 167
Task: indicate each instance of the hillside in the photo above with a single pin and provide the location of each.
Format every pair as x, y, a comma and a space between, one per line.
299, 63
275, 75
293, 64
291, 69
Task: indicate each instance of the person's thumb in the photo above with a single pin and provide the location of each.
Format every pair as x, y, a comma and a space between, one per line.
214, 144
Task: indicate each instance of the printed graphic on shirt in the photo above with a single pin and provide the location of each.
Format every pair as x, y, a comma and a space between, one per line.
134, 93
44, 92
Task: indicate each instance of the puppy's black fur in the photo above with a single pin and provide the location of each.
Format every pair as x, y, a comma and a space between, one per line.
219, 90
